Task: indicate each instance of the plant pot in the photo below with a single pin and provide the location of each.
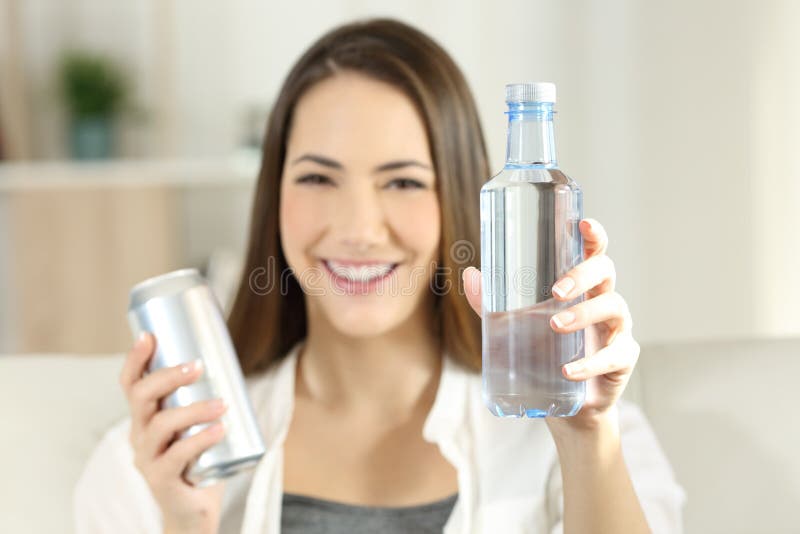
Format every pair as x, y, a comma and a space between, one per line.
91, 137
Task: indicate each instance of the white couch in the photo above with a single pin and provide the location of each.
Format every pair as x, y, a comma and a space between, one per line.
723, 411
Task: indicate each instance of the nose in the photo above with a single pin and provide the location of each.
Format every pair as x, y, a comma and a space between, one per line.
360, 220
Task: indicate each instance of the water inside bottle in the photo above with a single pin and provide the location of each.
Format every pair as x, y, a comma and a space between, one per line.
523, 376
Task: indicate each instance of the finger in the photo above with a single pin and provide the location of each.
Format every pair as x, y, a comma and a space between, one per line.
166, 423
619, 357
595, 238
145, 393
597, 274
606, 307
472, 287
180, 453
136, 361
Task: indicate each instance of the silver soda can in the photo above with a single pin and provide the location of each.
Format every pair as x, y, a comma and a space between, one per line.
179, 309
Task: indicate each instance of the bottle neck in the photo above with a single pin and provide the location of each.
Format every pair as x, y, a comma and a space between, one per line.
531, 140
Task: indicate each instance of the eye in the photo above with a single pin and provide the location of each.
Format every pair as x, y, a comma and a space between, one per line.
314, 179
405, 183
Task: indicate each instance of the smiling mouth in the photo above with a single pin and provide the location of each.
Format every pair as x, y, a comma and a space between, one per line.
358, 275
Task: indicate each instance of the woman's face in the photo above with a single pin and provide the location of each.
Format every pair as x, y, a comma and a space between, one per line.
359, 214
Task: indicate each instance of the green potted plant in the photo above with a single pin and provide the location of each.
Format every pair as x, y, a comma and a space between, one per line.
94, 91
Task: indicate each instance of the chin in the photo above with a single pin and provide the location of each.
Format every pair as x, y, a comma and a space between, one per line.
364, 320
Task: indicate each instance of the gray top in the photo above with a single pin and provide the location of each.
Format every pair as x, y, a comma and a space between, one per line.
310, 515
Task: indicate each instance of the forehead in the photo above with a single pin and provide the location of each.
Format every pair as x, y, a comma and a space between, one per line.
358, 121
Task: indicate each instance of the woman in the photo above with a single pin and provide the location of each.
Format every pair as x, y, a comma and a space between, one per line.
364, 378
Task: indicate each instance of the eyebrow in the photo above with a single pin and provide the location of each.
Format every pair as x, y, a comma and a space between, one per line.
333, 164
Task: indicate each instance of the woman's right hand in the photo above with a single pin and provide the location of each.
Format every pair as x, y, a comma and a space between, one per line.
159, 456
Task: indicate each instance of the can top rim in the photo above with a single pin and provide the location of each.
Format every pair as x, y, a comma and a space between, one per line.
150, 282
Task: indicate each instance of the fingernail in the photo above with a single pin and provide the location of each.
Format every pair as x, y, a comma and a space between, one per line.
475, 274
589, 224
574, 368
217, 404
192, 366
141, 340
563, 287
563, 319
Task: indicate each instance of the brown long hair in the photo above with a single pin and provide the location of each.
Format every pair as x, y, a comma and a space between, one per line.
266, 320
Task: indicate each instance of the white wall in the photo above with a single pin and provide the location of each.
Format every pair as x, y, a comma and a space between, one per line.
694, 64
775, 170
678, 118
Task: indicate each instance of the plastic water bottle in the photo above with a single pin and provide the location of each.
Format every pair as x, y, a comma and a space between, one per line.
529, 238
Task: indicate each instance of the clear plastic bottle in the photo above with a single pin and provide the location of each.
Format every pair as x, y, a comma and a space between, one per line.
529, 238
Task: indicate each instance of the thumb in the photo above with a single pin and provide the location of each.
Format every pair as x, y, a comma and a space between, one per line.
472, 287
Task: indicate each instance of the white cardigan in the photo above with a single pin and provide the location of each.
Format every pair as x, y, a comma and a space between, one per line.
509, 479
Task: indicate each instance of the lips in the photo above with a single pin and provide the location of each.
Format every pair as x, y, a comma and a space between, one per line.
358, 276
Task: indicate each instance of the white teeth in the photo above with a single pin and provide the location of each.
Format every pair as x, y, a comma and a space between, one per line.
361, 273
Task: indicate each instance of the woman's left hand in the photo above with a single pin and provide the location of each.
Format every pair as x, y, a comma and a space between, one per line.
611, 351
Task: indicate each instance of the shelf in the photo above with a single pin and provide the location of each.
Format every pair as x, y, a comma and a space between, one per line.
241, 169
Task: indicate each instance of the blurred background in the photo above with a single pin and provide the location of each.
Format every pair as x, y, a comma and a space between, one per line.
129, 135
